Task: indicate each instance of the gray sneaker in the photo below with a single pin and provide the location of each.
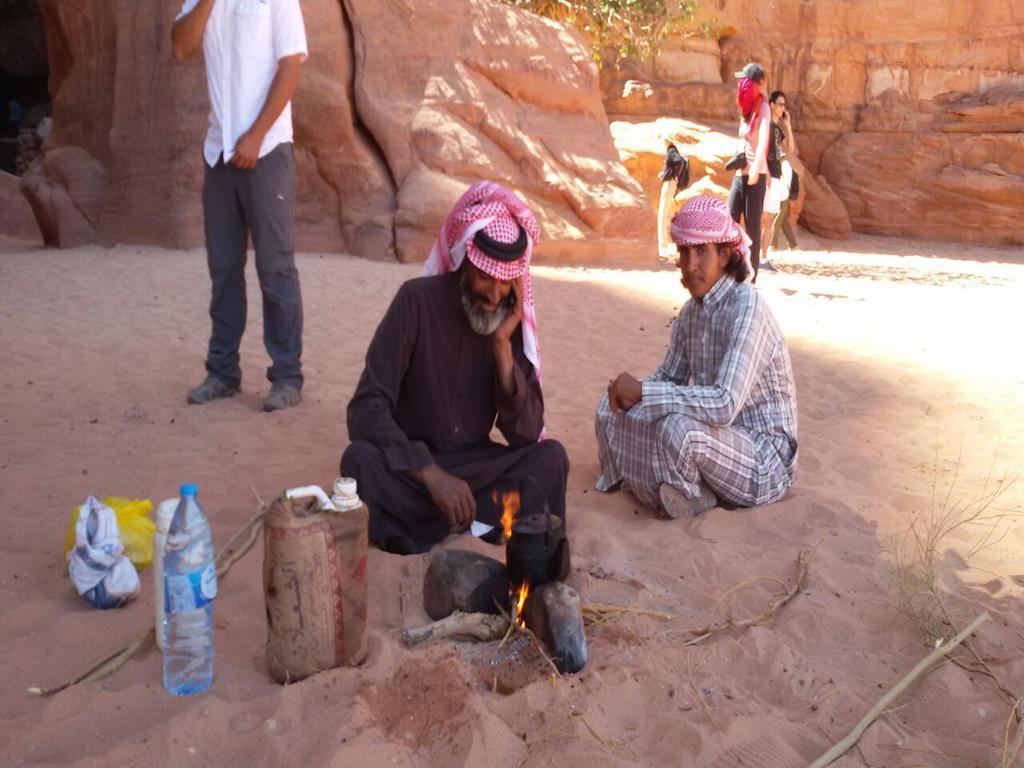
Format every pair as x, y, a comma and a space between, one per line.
211, 389
282, 395
678, 506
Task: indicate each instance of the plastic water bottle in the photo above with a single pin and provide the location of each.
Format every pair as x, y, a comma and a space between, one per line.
164, 515
190, 585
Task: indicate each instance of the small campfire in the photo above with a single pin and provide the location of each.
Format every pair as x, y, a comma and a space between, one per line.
474, 595
522, 593
509, 511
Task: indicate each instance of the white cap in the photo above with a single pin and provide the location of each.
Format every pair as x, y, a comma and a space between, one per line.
345, 497
164, 513
345, 486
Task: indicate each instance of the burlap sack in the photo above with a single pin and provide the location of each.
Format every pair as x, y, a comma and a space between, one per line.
314, 580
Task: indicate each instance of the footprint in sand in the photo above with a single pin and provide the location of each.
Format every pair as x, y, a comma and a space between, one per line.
765, 751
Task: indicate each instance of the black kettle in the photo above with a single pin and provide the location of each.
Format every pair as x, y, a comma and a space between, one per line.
537, 551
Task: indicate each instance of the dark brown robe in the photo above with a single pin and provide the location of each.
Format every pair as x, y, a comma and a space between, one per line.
430, 395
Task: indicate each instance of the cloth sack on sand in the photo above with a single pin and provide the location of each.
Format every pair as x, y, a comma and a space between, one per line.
314, 581
98, 567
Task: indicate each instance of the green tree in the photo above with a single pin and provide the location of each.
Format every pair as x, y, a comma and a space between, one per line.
620, 29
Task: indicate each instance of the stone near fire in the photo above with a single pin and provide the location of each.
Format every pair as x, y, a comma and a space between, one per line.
553, 613
460, 580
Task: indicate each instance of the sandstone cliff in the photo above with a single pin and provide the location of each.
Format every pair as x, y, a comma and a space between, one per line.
400, 106
913, 113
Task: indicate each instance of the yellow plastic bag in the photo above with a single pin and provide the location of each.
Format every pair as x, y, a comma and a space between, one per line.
134, 526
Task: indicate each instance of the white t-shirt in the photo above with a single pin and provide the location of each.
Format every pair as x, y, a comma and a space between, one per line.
242, 43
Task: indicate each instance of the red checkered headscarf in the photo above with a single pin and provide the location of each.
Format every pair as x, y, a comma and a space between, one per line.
501, 215
706, 219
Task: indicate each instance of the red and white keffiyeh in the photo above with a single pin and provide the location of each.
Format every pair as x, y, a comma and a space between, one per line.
499, 213
706, 219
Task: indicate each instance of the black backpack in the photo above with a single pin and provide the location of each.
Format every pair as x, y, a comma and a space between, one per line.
794, 186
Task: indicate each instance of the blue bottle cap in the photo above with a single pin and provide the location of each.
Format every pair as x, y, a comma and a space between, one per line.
188, 489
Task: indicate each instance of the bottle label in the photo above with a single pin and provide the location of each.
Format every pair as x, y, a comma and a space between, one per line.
190, 591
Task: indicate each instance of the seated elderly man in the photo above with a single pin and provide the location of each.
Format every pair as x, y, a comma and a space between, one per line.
456, 353
718, 418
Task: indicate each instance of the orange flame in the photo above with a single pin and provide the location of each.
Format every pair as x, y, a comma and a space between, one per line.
524, 592
510, 506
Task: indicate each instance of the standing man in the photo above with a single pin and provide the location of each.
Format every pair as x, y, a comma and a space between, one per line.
253, 51
717, 420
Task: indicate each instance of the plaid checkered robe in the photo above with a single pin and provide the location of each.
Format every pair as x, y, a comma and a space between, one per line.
722, 407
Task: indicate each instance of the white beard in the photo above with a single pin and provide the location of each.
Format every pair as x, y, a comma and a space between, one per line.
482, 322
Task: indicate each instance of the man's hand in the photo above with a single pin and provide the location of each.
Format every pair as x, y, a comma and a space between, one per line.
187, 32
624, 392
502, 340
752, 178
503, 333
451, 494
247, 150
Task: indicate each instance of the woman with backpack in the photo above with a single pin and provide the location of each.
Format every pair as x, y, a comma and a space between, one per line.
746, 198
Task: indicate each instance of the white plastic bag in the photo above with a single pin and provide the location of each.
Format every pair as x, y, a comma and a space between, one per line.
98, 567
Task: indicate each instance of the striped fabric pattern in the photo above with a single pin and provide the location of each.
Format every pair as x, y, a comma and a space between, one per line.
722, 407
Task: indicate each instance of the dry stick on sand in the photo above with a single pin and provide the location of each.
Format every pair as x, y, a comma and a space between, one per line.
703, 633
599, 613
236, 548
479, 626
851, 738
1010, 750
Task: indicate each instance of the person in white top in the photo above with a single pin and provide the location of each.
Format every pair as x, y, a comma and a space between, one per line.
253, 50
746, 196
780, 148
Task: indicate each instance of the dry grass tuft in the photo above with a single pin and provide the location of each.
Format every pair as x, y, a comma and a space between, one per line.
917, 553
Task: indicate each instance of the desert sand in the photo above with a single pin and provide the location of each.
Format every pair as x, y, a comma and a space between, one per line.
910, 386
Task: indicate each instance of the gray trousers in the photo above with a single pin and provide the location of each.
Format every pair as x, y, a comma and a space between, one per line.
257, 202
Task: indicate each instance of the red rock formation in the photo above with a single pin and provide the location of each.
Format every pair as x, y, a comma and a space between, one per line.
395, 114
18, 218
912, 113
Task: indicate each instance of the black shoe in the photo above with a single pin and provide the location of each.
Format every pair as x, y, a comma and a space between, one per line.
211, 389
282, 395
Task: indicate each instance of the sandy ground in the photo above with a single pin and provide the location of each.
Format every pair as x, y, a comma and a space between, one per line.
909, 376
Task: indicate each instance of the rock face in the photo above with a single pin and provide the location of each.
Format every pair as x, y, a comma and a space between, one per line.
18, 219
912, 113
391, 125
65, 189
708, 147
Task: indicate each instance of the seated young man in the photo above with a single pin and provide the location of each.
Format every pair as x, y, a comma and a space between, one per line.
456, 352
718, 417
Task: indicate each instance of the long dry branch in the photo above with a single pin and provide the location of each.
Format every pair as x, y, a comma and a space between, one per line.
803, 560
852, 737
236, 548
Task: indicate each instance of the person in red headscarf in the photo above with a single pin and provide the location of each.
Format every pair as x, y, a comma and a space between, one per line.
456, 354
746, 197
717, 420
